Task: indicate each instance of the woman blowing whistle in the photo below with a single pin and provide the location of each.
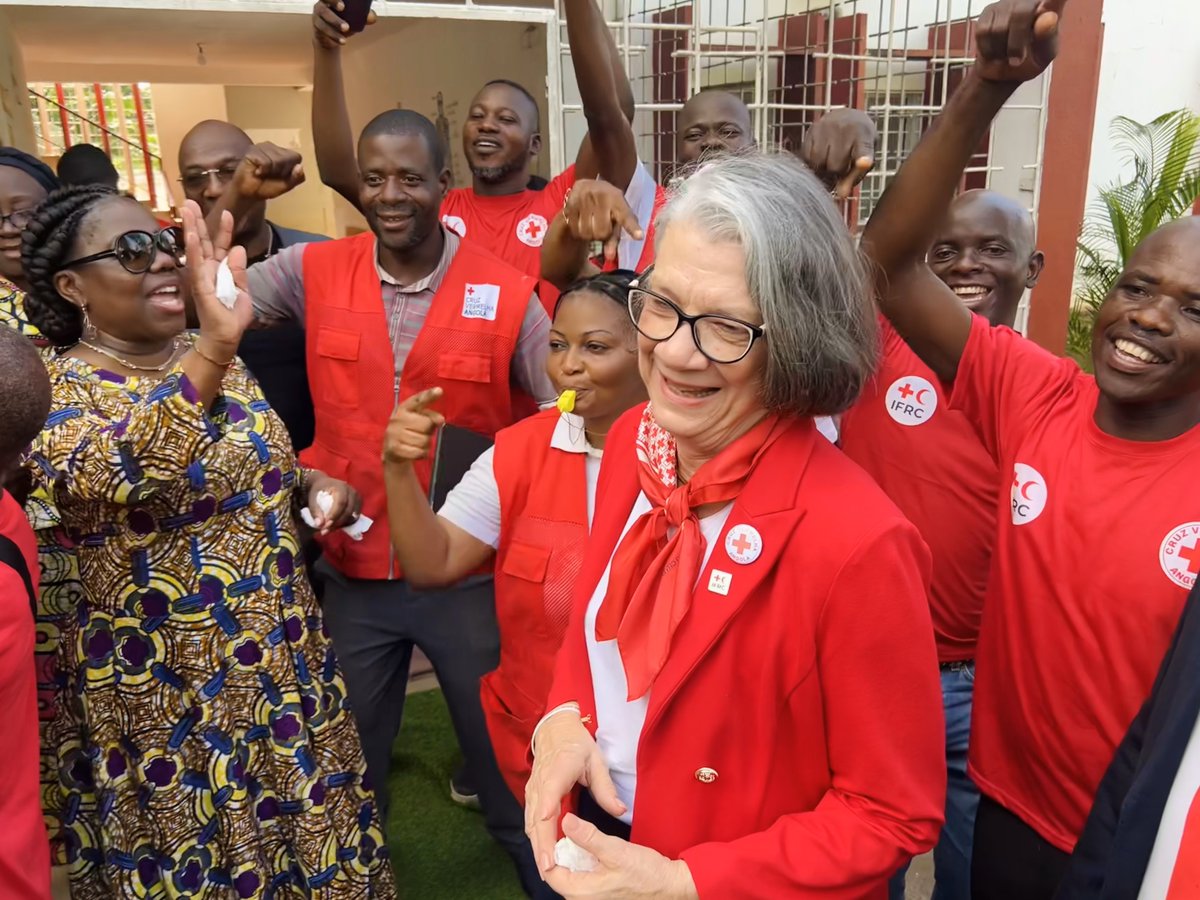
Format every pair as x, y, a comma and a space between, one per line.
528, 501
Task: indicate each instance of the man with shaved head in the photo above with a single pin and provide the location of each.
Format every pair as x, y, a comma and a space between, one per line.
209, 157
933, 465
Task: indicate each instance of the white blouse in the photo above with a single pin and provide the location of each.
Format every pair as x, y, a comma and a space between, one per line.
474, 503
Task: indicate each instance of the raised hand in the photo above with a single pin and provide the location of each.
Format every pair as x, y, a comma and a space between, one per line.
221, 327
409, 434
1017, 39
268, 171
840, 149
597, 211
329, 29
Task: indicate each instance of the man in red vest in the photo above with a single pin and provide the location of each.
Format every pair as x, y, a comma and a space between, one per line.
501, 139
388, 313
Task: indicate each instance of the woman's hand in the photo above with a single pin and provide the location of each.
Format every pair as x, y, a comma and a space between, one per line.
344, 507
565, 754
221, 327
409, 434
623, 870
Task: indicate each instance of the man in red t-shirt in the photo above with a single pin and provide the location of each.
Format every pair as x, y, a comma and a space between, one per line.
1097, 538
501, 138
930, 461
24, 846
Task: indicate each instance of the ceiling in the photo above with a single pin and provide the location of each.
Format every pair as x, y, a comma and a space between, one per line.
159, 45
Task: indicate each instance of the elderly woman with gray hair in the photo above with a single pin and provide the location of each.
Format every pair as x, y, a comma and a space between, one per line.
746, 703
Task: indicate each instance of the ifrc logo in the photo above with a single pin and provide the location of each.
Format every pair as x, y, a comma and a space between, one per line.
911, 400
532, 230
1179, 554
1029, 494
455, 224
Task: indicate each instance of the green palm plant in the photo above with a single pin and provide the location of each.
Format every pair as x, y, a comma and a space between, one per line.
1165, 183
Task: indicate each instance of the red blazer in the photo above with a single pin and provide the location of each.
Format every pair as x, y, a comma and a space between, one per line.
794, 742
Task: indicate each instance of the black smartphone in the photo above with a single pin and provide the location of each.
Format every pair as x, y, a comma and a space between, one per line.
354, 14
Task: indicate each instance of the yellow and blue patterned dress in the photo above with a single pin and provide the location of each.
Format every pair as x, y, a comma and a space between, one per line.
196, 737
12, 312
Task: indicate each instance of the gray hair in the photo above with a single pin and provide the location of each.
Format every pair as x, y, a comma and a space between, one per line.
803, 271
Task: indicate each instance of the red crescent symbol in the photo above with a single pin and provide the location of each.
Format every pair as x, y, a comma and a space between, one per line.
919, 393
1025, 489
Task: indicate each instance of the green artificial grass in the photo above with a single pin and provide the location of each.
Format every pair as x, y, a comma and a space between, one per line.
440, 851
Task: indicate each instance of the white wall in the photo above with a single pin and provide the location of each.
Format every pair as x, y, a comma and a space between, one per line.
1151, 65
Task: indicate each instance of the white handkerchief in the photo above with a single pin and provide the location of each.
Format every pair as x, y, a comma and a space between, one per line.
570, 855
355, 530
226, 289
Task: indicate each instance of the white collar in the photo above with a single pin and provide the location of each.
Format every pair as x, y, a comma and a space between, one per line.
570, 436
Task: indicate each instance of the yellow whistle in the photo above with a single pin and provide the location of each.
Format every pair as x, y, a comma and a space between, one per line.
566, 401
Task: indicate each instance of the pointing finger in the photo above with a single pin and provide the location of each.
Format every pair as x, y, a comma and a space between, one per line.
419, 402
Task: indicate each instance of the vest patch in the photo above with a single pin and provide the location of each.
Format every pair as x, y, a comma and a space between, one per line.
480, 301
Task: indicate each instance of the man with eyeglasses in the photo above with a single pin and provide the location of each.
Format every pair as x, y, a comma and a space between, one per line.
209, 159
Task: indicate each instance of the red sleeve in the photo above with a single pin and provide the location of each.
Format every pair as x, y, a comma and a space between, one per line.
1003, 380
556, 191
886, 743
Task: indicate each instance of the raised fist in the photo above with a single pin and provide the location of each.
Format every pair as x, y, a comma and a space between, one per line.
1016, 40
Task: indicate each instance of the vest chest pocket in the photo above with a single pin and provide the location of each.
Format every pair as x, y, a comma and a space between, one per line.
526, 561
336, 380
475, 367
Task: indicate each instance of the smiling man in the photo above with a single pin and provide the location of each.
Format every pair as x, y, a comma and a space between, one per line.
931, 462
1095, 503
401, 308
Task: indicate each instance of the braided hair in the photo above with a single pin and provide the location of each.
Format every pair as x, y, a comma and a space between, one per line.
613, 285
45, 243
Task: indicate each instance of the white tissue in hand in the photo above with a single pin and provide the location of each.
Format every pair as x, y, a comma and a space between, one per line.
570, 855
324, 502
226, 289
355, 530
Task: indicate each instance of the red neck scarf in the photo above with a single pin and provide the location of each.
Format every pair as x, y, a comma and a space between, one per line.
653, 576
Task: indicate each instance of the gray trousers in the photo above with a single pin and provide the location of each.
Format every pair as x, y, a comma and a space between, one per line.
374, 626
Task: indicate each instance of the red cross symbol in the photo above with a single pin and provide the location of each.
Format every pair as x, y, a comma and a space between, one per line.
470, 292
1192, 556
906, 392
742, 544
533, 229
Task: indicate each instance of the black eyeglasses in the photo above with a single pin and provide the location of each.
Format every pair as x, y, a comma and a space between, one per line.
137, 250
723, 339
198, 181
18, 217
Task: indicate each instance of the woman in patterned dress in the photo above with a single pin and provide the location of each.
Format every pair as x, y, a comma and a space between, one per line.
24, 183
200, 743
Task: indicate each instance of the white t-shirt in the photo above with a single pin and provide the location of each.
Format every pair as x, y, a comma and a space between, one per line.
474, 503
1184, 792
619, 721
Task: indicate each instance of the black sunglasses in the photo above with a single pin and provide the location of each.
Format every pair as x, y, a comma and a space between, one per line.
136, 250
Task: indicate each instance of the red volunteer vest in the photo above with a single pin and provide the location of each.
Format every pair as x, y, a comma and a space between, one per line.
543, 529
465, 346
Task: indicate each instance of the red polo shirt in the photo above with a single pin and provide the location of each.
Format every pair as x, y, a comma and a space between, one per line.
24, 846
1097, 545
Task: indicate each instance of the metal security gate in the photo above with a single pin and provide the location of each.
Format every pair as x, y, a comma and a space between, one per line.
792, 60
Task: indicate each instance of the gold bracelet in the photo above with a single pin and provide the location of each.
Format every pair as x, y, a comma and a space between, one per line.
223, 366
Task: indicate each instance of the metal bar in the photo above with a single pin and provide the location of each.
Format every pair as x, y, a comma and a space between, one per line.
100, 114
126, 144
62, 114
75, 115
44, 123
146, 159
